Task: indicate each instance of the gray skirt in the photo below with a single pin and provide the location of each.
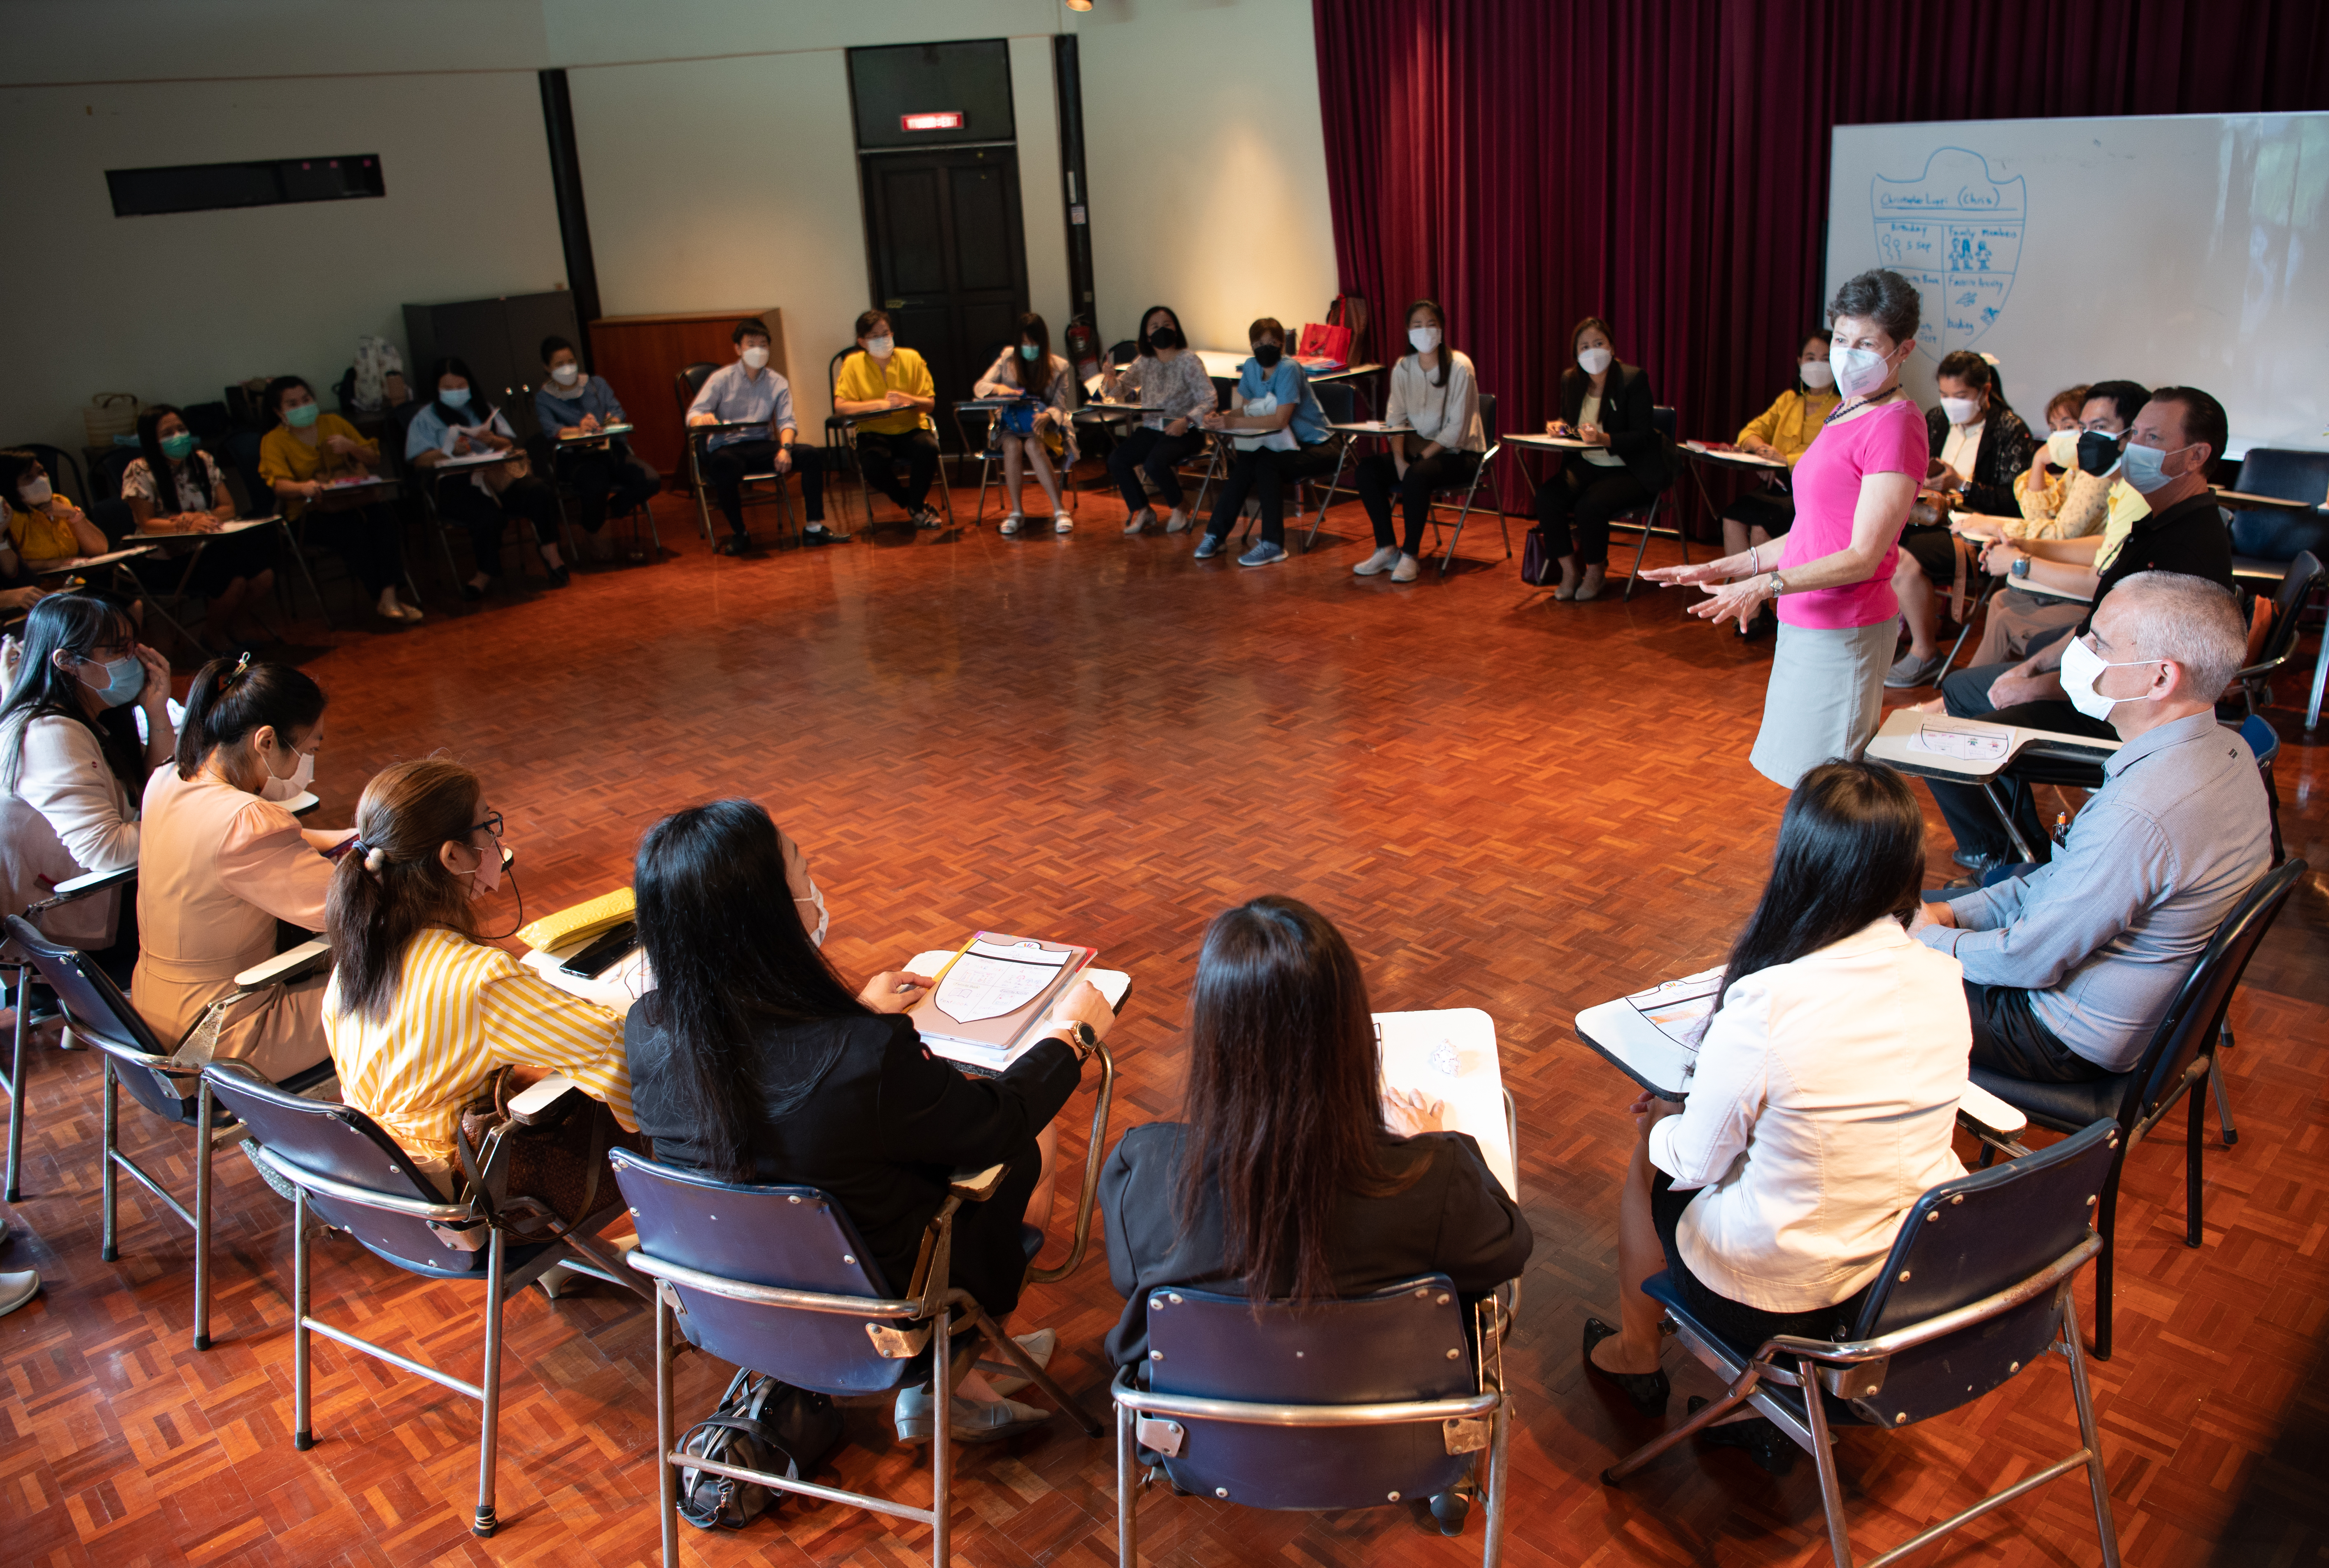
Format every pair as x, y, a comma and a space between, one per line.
1825, 698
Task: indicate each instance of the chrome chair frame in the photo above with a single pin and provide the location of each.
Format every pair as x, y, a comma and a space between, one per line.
698, 439
1855, 1369
932, 1302
65, 892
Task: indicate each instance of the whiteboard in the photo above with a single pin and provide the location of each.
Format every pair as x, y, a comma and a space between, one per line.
2190, 249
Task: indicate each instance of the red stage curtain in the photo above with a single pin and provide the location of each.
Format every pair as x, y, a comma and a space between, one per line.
1664, 163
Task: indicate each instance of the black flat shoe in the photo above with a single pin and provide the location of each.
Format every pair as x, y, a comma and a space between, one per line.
823, 536
734, 545
561, 576
1648, 1390
1765, 1443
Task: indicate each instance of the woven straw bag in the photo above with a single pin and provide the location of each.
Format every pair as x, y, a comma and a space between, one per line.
110, 414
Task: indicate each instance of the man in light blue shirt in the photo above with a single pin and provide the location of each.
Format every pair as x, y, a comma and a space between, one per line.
1282, 431
750, 390
2069, 969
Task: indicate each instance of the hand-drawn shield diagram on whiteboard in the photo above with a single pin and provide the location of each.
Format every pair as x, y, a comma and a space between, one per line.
1954, 231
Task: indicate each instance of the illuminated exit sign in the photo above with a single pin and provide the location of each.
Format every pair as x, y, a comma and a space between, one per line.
948, 119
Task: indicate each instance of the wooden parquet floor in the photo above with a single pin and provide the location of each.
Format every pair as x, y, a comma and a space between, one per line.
1505, 802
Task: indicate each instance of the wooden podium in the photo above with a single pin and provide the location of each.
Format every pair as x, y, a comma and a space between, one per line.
640, 355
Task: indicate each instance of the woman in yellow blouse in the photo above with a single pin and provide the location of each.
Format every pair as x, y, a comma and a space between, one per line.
306, 453
419, 1011
1784, 431
43, 527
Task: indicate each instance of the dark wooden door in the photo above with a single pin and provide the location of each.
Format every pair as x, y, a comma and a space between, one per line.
949, 258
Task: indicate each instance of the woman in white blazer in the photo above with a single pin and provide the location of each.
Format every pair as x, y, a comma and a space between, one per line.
1823, 1103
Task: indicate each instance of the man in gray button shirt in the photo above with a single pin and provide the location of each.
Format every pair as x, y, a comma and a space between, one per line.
2069, 969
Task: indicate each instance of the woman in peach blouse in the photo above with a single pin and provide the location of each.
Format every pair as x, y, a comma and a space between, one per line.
220, 860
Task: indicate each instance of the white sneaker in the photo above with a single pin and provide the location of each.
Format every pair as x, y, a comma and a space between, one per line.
1003, 1375
1063, 522
1382, 560
1405, 571
1011, 524
1178, 523
17, 1288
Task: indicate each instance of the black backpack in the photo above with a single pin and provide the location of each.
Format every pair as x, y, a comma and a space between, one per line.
760, 1424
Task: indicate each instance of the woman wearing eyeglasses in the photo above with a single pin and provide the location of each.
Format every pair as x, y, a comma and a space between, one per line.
422, 1008
220, 859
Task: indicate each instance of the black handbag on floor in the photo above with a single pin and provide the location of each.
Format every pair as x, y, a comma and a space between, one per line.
760, 1424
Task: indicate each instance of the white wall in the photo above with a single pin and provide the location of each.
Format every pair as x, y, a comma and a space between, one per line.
174, 307
1222, 214
717, 159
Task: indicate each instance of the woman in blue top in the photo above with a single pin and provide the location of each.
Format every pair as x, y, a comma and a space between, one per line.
1281, 439
570, 402
457, 423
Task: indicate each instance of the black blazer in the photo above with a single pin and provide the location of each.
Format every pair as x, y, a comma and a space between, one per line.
2004, 455
1625, 415
880, 1130
1453, 1219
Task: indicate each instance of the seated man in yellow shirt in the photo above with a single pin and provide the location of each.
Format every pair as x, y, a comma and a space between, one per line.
892, 386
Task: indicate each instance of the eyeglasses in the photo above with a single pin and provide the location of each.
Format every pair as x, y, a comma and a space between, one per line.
491, 824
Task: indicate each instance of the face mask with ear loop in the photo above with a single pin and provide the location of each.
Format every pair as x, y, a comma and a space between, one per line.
302, 774
815, 900
492, 864
2082, 667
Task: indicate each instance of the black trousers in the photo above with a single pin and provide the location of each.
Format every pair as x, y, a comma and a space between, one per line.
368, 538
601, 477
726, 466
1157, 453
1772, 511
486, 516
1379, 480
1736, 1321
1966, 807
2009, 1037
880, 455
1266, 474
1573, 509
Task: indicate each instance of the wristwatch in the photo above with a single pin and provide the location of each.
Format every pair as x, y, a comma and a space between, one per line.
2021, 568
1078, 1034
1778, 585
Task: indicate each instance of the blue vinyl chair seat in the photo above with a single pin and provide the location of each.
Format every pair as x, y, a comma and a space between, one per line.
2058, 1105
1403, 1343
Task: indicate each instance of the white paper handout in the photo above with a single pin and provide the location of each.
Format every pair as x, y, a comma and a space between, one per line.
1679, 1009
1983, 744
992, 978
1449, 1054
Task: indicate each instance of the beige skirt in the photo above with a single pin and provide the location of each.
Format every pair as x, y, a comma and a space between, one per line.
278, 1030
1825, 698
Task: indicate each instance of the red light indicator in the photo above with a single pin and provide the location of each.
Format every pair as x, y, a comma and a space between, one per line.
947, 119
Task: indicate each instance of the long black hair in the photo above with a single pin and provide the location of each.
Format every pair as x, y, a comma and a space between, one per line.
1284, 1100
1034, 376
730, 958
1148, 349
166, 472
479, 411
1851, 852
76, 625
233, 697
1447, 349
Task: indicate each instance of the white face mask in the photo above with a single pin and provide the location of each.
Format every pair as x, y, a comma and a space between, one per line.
36, 492
1817, 374
1424, 338
1594, 361
303, 770
487, 880
1858, 371
824, 916
1961, 411
566, 374
2081, 668
756, 357
881, 347
2062, 449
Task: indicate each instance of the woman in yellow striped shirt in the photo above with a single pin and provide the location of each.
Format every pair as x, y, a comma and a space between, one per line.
420, 1011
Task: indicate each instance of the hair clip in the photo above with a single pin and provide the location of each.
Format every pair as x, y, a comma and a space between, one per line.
235, 674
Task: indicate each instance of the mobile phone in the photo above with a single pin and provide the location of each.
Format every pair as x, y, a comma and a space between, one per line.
603, 954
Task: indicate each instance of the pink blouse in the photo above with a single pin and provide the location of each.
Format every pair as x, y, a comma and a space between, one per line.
1887, 439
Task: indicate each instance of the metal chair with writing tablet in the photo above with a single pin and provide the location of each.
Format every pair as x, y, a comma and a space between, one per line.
686, 384
776, 1279
347, 1174
1975, 1289
156, 1077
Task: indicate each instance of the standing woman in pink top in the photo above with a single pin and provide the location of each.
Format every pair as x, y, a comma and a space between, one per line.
220, 860
1833, 578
